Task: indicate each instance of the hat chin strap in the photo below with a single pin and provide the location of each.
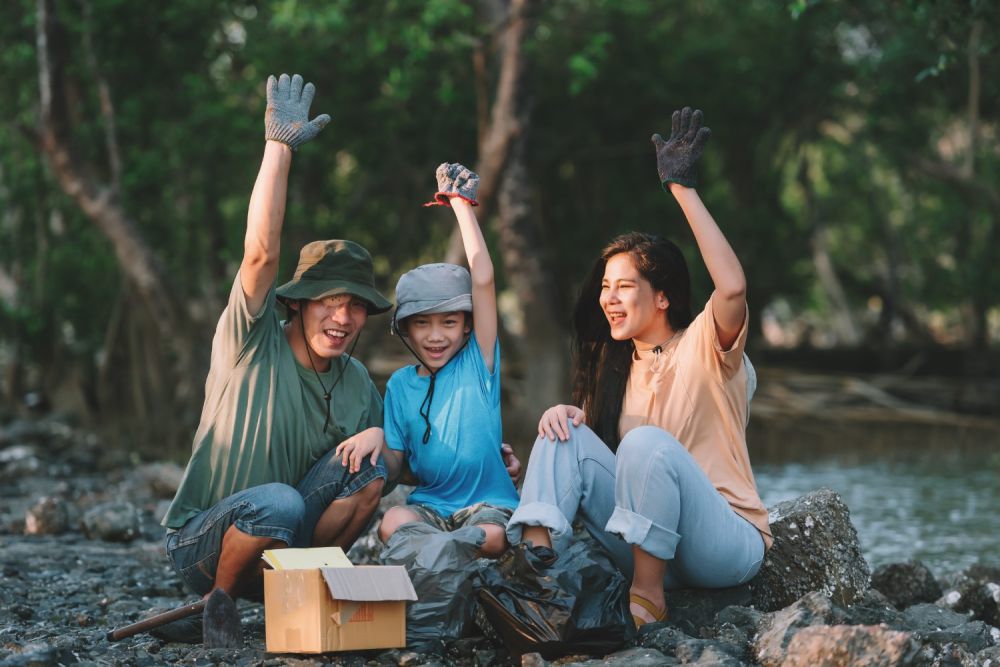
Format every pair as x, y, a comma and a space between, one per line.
327, 393
425, 406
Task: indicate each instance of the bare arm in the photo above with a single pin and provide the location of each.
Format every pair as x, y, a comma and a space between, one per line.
484, 296
286, 127
262, 244
729, 297
676, 164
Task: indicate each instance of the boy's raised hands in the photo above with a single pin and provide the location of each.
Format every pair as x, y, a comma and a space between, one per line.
455, 180
287, 116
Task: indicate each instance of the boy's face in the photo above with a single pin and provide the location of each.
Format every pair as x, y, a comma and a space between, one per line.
436, 337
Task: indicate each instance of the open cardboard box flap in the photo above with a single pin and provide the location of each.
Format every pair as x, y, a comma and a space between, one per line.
369, 583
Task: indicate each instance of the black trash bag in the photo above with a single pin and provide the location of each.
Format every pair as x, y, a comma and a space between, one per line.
575, 603
440, 565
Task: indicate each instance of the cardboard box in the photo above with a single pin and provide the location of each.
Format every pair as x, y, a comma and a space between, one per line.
317, 610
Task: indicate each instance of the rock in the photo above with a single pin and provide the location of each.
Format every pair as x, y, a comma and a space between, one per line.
156, 480
777, 629
633, 657
856, 645
112, 521
692, 609
708, 652
975, 590
49, 516
815, 549
944, 655
873, 609
926, 617
989, 657
663, 638
18, 461
906, 584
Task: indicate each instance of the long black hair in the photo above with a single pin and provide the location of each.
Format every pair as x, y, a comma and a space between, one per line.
601, 364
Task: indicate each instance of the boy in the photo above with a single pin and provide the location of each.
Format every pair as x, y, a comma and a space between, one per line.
443, 415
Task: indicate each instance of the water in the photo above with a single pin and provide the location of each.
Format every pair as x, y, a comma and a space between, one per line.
942, 510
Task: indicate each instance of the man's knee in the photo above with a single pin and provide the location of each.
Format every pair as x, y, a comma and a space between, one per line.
284, 506
371, 494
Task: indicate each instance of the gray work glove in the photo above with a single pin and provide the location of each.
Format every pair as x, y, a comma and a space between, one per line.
287, 116
454, 180
677, 157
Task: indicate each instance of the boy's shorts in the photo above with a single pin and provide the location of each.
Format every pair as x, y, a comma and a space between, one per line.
473, 515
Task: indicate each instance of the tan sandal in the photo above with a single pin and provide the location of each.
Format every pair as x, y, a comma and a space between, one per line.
657, 614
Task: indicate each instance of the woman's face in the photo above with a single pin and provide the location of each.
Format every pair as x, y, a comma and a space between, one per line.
633, 309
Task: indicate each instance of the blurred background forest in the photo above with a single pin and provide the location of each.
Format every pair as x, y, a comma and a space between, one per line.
853, 166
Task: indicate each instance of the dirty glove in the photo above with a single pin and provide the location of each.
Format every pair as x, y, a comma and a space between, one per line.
287, 116
454, 180
677, 157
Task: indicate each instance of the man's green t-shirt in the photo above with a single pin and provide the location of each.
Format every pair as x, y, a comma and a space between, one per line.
263, 416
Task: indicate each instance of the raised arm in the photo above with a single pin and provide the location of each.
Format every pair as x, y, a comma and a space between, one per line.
457, 187
286, 127
676, 161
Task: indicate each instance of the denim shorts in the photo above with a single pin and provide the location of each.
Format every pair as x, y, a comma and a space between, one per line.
278, 511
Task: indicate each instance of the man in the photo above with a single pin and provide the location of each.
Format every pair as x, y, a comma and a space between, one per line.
280, 396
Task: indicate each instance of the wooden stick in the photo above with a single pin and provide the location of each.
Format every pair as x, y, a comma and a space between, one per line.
156, 621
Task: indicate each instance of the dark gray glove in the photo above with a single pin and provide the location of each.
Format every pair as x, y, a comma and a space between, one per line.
287, 116
677, 157
454, 180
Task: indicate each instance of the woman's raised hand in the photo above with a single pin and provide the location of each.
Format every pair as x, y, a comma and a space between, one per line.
553, 424
677, 157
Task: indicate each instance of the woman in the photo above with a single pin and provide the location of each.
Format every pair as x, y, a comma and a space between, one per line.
660, 474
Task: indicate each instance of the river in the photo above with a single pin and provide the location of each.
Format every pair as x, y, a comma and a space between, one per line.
942, 509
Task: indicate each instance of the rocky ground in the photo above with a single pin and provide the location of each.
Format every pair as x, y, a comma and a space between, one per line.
81, 553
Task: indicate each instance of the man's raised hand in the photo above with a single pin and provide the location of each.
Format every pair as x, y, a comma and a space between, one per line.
287, 116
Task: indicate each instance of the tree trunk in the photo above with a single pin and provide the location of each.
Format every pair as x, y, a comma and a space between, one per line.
841, 319
163, 318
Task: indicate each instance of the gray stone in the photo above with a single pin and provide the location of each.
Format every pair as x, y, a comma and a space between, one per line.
708, 652
989, 657
693, 609
855, 645
663, 638
974, 636
906, 584
112, 521
633, 657
49, 516
874, 609
926, 617
815, 548
975, 590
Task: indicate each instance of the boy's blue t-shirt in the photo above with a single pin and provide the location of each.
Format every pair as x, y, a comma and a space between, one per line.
461, 463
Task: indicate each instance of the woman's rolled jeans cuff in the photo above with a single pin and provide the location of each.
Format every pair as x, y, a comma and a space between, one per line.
640, 531
540, 514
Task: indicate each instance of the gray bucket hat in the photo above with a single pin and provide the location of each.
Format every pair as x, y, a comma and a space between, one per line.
432, 288
329, 268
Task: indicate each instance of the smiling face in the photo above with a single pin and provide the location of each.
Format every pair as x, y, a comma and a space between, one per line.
632, 307
436, 337
331, 324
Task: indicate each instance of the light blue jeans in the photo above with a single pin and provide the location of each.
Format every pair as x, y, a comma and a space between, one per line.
651, 494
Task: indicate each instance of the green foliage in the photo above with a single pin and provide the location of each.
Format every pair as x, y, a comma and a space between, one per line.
861, 93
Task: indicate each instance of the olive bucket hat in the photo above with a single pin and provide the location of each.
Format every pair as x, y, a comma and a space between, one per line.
329, 268
432, 288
